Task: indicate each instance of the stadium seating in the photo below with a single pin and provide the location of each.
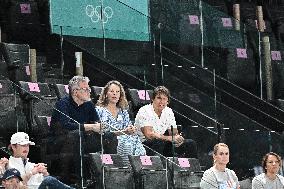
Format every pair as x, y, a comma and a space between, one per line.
60, 90
12, 117
38, 101
185, 171
109, 171
148, 172
16, 57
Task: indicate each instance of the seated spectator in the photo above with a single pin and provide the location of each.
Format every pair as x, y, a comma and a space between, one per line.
153, 120
34, 176
12, 180
71, 114
270, 179
219, 176
112, 110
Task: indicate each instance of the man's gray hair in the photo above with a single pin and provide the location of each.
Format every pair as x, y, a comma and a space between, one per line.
75, 81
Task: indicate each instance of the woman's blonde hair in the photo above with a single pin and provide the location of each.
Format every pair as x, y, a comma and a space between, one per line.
217, 146
122, 102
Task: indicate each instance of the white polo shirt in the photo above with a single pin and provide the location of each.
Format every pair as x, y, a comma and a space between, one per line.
17, 163
146, 116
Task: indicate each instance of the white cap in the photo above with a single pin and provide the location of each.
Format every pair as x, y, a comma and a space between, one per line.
21, 138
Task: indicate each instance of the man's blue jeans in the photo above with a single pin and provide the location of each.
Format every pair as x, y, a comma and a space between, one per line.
50, 182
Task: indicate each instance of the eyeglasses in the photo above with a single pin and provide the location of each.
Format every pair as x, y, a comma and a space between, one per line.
86, 90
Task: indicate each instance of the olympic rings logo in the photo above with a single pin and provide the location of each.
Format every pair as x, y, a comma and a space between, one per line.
95, 13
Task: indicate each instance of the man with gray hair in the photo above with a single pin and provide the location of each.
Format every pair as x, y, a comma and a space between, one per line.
72, 114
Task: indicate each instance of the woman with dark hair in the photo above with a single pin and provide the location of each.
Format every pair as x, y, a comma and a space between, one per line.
112, 109
219, 176
271, 163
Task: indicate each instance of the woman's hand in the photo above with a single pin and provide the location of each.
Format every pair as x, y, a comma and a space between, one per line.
130, 130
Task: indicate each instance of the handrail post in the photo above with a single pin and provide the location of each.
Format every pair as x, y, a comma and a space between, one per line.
79, 63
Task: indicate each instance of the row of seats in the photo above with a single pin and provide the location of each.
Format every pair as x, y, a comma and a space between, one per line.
238, 64
38, 101
144, 172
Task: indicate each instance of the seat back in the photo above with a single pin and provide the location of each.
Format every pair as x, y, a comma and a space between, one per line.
24, 21
139, 98
15, 54
186, 171
107, 171
61, 90
16, 57
148, 172
31, 90
241, 67
42, 125
6, 87
183, 164
95, 93
140, 163
108, 161
12, 118
38, 101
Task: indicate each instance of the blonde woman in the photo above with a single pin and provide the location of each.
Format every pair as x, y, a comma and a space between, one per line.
112, 109
219, 176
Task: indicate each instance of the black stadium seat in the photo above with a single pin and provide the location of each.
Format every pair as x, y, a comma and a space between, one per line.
38, 101
95, 93
241, 67
15, 54
138, 98
32, 90
110, 170
24, 24
61, 90
12, 118
43, 124
148, 172
187, 172
16, 57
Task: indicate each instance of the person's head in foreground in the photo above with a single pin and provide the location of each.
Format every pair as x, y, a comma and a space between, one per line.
11, 179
